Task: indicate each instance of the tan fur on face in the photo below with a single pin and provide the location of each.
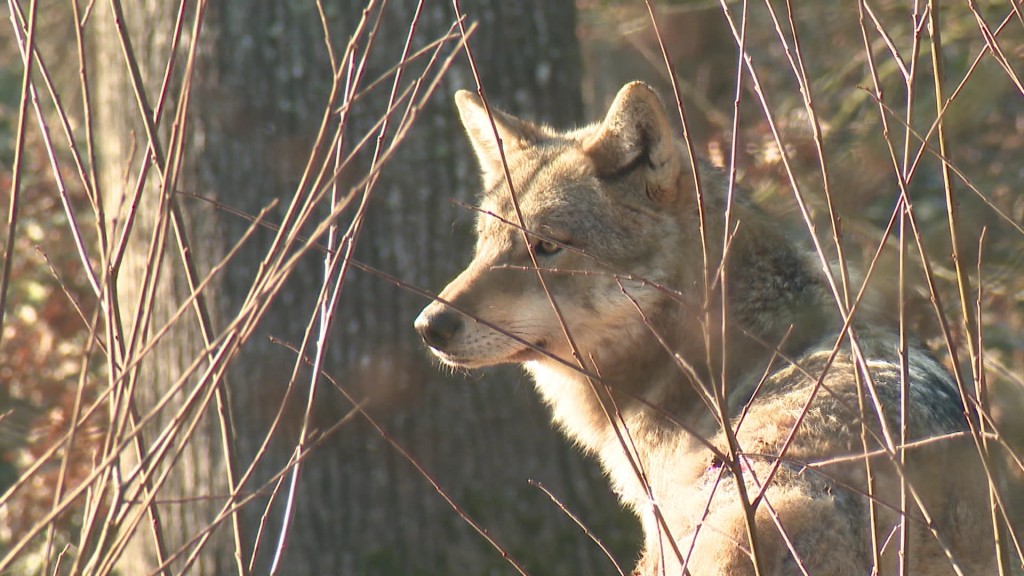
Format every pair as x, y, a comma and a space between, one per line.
611, 215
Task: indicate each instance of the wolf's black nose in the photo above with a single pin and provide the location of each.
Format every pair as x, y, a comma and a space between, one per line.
437, 330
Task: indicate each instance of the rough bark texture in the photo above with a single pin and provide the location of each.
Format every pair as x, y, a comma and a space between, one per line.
259, 91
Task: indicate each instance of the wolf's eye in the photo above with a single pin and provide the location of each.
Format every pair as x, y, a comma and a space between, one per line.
546, 248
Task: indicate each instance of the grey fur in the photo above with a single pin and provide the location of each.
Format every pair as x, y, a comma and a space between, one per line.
614, 222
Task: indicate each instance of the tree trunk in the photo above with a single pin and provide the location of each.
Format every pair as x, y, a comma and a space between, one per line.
260, 86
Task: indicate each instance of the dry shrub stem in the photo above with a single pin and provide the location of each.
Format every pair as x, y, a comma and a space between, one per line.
16, 170
115, 498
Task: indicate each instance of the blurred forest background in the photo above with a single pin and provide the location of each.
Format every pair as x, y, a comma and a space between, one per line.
143, 430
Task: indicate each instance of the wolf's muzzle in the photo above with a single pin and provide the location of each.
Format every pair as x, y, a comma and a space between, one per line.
437, 326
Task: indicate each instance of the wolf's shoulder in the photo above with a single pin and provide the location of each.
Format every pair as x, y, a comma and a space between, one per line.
932, 404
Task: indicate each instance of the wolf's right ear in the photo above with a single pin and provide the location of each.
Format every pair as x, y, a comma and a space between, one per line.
515, 134
636, 135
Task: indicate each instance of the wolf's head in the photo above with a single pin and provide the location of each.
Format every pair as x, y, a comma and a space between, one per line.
593, 223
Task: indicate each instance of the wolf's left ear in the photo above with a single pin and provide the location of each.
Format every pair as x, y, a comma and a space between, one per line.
636, 135
515, 134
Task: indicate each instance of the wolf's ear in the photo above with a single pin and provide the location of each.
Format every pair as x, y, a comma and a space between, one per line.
636, 135
515, 134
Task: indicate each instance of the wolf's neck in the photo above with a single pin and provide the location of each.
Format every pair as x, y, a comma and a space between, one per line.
777, 297
774, 303
642, 388
627, 427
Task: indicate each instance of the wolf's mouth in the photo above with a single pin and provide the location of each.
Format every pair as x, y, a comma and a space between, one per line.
456, 360
450, 359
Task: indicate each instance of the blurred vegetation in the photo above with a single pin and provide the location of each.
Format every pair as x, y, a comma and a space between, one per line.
44, 334
984, 128
45, 329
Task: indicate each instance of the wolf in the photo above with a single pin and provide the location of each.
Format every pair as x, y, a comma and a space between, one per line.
681, 337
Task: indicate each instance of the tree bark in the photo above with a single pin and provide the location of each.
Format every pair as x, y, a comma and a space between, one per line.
261, 83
